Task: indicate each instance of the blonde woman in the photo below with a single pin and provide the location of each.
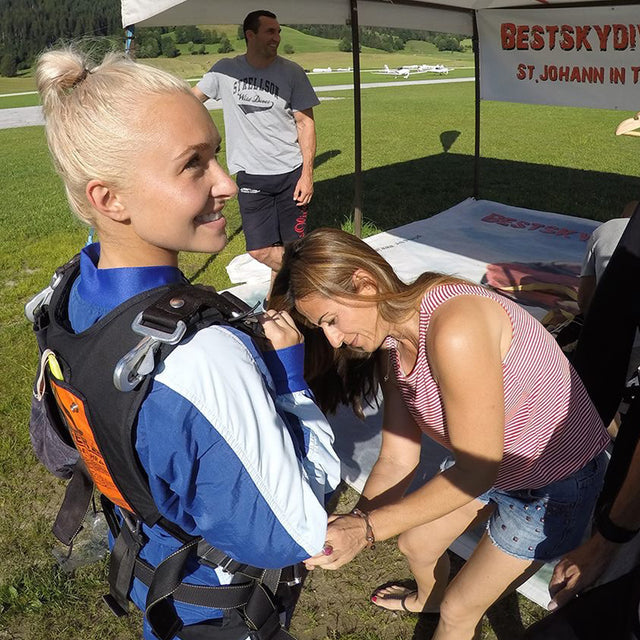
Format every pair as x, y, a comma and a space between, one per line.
476, 373
214, 436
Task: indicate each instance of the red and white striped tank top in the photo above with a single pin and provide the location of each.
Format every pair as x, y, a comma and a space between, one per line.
552, 428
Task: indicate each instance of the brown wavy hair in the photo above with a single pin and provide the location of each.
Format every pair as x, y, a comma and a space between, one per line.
323, 263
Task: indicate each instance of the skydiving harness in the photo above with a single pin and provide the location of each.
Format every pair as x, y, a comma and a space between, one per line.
86, 401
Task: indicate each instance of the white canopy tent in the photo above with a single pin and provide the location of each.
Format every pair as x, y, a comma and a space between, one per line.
407, 13
453, 16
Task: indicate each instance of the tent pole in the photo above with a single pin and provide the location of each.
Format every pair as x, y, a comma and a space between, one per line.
476, 58
357, 121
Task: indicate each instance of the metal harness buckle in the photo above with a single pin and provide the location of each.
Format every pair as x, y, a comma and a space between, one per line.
134, 366
42, 298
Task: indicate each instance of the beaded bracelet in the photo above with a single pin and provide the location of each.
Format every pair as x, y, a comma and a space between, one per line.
371, 539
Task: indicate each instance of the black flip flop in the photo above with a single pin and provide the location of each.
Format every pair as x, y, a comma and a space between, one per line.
401, 597
403, 601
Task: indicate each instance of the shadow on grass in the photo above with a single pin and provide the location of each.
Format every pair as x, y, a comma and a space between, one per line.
404, 192
321, 158
505, 618
397, 194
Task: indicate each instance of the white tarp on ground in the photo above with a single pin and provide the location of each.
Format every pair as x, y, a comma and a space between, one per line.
464, 240
561, 57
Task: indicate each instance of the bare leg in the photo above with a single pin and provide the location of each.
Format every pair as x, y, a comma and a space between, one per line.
425, 548
488, 575
272, 257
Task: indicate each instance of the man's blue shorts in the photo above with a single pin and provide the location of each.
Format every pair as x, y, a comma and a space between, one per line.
270, 215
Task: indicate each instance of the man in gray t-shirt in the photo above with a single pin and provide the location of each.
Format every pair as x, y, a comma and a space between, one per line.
270, 135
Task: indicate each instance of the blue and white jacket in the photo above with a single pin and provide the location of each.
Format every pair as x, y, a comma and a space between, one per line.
235, 449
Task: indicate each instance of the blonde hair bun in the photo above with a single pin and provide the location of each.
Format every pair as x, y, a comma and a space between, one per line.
90, 112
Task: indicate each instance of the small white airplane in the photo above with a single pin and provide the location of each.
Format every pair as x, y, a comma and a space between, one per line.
322, 70
412, 69
433, 68
398, 73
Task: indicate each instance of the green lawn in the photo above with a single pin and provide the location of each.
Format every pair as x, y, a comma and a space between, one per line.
418, 160
16, 101
23, 82
194, 66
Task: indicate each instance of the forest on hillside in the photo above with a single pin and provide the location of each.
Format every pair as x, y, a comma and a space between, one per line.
28, 27
385, 38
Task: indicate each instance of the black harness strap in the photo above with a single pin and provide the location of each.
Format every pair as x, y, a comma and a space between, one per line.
213, 557
129, 541
75, 505
224, 597
159, 609
262, 617
254, 599
191, 304
128, 544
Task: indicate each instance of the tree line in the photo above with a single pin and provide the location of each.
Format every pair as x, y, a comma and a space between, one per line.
27, 28
151, 43
385, 38
155, 42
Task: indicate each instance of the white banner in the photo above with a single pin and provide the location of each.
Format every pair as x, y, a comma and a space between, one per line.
585, 57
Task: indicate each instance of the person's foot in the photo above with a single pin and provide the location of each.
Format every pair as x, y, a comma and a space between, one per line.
397, 597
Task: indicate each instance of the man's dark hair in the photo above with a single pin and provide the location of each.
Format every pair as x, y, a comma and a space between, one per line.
252, 21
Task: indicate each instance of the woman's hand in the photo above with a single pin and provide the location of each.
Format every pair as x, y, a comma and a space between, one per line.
280, 329
346, 537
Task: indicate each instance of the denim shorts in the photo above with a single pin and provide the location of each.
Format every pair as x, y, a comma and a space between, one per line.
544, 524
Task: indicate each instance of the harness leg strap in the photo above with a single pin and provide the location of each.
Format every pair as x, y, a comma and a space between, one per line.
160, 610
121, 568
262, 616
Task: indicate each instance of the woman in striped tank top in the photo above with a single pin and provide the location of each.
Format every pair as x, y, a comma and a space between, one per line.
479, 375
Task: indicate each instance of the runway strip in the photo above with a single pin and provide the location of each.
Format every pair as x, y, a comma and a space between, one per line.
32, 116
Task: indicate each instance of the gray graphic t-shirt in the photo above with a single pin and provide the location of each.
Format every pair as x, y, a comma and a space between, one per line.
258, 109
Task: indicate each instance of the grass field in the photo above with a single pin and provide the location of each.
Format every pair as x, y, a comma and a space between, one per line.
418, 160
